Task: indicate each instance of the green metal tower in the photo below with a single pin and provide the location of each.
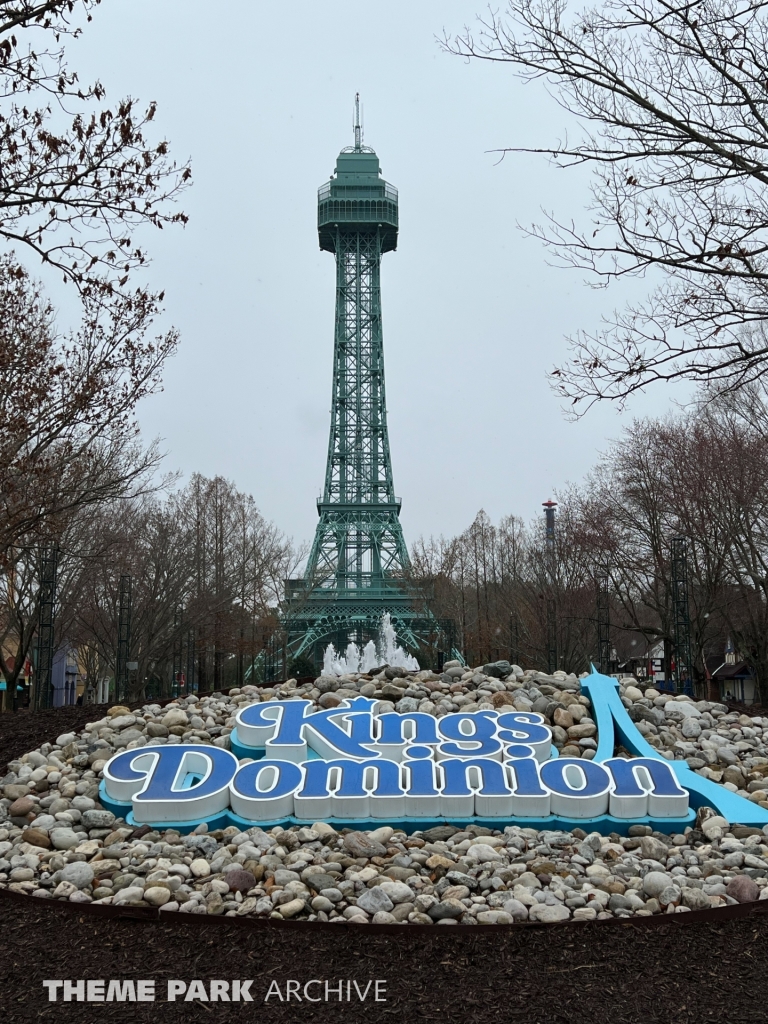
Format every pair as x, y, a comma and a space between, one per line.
358, 560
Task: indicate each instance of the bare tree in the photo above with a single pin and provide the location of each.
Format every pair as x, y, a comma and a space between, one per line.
674, 98
201, 558
20, 591
494, 582
78, 177
702, 475
67, 404
735, 507
141, 538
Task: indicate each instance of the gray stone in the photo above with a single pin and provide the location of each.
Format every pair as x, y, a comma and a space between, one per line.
63, 838
373, 900
381, 835
549, 915
157, 895
46, 821
83, 803
97, 819
493, 917
407, 705
80, 897
715, 889
393, 690
695, 899
205, 844
653, 849
460, 879
447, 909
78, 873
516, 910
439, 833
327, 684
358, 844
682, 707
669, 894
586, 851
319, 880
382, 917
122, 721
130, 894
307, 835
291, 909
619, 902
403, 911
283, 876
398, 892
22, 875
655, 882
128, 736
639, 713
498, 669
15, 791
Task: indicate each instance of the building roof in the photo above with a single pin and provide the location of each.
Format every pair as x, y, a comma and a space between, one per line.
740, 670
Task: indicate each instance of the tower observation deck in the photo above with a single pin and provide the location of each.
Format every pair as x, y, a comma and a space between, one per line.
358, 562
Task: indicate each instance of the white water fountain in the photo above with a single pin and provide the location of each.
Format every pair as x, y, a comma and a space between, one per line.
386, 652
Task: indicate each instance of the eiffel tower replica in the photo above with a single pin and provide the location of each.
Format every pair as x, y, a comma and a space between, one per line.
358, 565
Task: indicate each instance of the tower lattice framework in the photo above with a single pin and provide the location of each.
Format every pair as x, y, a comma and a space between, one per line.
358, 562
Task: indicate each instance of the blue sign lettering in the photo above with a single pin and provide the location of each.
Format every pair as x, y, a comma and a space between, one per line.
347, 764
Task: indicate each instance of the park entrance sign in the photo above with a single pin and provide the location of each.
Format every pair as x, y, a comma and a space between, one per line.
289, 764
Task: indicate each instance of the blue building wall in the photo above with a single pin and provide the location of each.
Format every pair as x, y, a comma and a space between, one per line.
64, 676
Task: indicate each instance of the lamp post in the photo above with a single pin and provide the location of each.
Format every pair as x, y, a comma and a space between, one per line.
549, 537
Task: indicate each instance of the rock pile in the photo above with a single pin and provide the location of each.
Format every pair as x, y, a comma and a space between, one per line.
722, 745
56, 842
442, 876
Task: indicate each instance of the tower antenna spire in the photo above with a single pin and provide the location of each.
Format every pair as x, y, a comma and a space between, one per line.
358, 129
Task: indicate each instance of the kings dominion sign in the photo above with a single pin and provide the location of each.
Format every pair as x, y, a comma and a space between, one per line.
349, 766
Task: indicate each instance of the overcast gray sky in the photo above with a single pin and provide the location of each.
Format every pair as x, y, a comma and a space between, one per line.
260, 96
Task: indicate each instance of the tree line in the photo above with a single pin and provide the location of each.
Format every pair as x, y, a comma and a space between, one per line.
206, 571
700, 474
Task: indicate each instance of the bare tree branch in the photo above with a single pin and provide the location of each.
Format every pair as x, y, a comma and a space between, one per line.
677, 97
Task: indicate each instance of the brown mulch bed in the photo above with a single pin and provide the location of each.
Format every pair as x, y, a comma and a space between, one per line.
707, 968
22, 731
713, 972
